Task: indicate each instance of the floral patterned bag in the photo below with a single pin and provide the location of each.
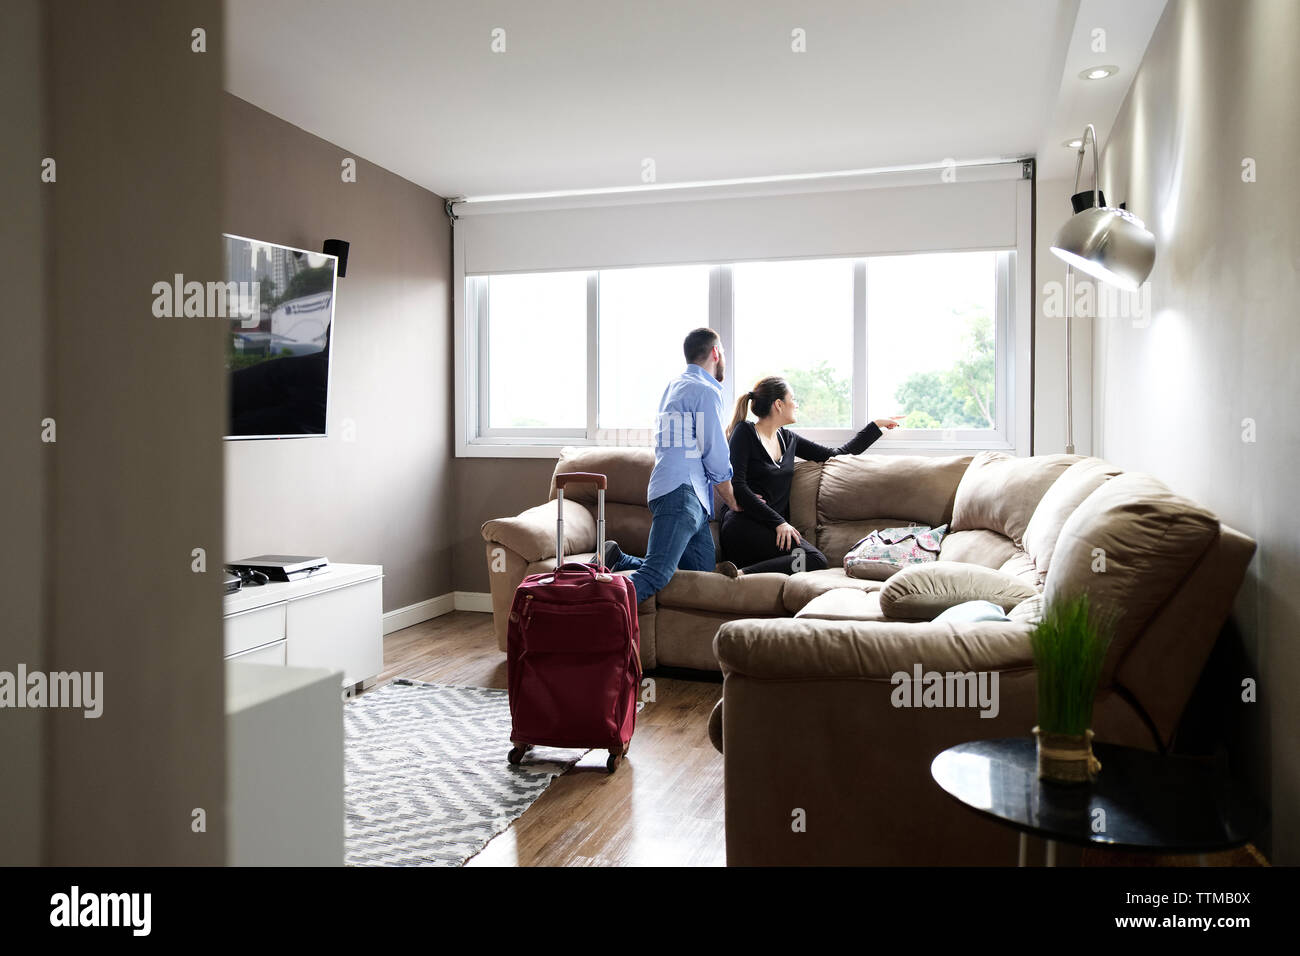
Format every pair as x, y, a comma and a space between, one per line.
883, 552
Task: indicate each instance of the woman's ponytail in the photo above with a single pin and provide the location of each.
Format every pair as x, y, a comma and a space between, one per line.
742, 410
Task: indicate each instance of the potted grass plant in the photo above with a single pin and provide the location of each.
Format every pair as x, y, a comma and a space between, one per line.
1069, 646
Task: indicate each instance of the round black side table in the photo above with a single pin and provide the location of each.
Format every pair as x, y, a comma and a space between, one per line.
1140, 800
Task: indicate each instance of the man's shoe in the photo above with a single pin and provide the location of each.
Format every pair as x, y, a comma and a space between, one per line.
728, 568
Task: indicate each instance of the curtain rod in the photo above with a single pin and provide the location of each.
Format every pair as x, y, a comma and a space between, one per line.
648, 189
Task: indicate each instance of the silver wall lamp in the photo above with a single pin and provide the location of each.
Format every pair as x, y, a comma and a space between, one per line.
1109, 244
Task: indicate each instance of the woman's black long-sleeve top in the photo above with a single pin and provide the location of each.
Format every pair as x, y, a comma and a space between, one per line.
755, 473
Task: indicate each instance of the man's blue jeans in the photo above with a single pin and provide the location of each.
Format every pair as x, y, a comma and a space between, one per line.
679, 538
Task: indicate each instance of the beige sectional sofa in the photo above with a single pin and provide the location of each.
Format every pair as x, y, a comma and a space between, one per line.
808, 659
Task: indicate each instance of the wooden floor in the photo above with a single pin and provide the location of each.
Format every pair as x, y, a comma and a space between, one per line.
663, 807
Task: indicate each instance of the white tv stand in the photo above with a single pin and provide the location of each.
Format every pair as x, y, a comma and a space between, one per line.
332, 619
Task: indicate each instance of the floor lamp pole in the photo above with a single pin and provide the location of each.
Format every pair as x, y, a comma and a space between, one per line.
1069, 360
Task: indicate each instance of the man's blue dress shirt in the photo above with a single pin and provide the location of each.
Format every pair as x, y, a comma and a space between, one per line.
690, 443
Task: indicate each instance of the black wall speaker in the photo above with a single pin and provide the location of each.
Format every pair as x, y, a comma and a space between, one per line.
337, 247
1080, 201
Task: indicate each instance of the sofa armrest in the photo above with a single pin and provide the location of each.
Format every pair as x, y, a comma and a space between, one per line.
810, 649
531, 533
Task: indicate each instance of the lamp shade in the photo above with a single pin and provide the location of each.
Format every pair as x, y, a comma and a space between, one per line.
1108, 244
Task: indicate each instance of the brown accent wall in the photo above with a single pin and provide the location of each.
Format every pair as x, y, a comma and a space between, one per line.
134, 481
1178, 396
383, 497
25, 401
486, 488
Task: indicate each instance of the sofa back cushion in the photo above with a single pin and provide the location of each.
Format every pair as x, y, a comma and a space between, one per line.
1129, 545
1057, 504
803, 497
999, 492
627, 468
977, 546
913, 487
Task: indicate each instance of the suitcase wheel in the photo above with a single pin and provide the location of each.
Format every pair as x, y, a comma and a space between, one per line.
614, 757
517, 752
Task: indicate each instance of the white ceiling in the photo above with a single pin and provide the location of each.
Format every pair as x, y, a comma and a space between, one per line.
588, 89
1128, 25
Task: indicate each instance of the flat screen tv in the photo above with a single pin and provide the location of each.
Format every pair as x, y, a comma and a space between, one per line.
278, 338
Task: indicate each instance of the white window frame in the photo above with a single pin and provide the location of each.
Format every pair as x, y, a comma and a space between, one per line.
1012, 338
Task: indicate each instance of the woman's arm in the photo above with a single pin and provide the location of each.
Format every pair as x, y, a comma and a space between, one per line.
742, 446
809, 450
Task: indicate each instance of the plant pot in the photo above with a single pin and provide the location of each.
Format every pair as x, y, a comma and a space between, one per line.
1066, 758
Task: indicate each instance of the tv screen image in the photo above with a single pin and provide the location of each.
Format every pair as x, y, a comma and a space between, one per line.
278, 342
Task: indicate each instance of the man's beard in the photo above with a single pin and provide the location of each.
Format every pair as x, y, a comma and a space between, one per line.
720, 370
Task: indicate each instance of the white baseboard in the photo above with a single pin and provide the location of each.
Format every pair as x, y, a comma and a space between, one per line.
473, 601
435, 607
417, 613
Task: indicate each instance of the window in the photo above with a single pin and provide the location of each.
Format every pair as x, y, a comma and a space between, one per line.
795, 319
930, 340
644, 314
583, 357
536, 346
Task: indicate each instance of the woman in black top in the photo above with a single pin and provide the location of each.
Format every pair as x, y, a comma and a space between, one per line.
760, 536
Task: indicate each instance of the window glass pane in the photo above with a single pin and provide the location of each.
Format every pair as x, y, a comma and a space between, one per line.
795, 319
644, 316
537, 350
930, 339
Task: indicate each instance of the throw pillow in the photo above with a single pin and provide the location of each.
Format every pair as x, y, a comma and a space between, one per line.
972, 611
882, 553
921, 592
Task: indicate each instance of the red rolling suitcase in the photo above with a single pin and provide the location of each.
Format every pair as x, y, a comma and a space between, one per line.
573, 649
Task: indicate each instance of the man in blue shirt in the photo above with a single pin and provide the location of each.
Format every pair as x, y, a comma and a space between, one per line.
691, 458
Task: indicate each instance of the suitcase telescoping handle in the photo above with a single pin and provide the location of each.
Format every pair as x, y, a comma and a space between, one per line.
581, 478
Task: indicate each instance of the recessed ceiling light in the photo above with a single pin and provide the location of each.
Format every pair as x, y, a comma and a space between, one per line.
1098, 72
1072, 143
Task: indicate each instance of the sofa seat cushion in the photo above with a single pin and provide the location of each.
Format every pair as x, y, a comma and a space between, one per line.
922, 592
1029, 611
844, 604
1020, 565
802, 587
999, 492
749, 594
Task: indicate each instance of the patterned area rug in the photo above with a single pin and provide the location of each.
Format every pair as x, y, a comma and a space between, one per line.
427, 781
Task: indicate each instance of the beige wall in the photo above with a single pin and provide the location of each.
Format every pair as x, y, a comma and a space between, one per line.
1218, 84
134, 479
384, 497
1052, 208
